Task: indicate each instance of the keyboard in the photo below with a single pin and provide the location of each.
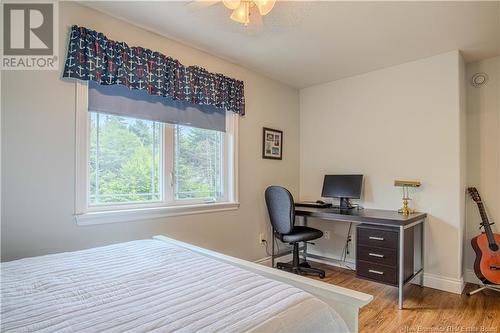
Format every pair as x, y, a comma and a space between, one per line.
312, 204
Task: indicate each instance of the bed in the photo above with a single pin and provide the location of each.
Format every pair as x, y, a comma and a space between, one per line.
163, 285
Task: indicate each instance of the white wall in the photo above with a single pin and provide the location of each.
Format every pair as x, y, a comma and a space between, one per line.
38, 155
402, 122
483, 158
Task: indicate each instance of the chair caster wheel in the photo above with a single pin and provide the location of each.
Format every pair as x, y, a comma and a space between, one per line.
322, 276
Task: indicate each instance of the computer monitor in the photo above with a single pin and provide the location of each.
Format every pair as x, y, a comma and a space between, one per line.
345, 187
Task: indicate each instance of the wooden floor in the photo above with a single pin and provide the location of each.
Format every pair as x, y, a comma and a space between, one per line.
426, 309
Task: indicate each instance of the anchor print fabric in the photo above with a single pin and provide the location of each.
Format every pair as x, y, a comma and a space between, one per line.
92, 56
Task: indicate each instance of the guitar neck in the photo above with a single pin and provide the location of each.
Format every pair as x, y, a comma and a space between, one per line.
482, 212
486, 223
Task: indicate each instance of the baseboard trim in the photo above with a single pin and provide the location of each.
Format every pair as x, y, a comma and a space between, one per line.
335, 263
444, 283
264, 261
471, 277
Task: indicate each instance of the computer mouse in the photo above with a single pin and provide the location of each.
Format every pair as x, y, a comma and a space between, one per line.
320, 202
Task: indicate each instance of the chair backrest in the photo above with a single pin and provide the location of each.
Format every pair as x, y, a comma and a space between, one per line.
281, 209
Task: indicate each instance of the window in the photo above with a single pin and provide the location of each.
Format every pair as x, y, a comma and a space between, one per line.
198, 164
124, 160
126, 164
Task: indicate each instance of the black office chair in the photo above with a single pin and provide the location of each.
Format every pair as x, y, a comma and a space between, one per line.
281, 208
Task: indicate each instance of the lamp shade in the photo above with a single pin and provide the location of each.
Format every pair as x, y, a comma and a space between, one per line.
265, 6
241, 14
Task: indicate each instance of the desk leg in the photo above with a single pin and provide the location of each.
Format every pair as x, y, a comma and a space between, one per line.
272, 247
304, 252
401, 265
422, 231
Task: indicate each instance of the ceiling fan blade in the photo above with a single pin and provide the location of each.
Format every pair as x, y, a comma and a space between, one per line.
200, 4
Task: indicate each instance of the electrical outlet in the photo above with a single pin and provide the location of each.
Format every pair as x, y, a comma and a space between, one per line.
262, 238
326, 234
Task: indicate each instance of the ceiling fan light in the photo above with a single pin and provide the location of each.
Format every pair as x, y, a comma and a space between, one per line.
265, 6
231, 4
241, 14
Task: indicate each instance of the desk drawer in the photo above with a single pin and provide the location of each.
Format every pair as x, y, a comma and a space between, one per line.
377, 237
376, 272
377, 255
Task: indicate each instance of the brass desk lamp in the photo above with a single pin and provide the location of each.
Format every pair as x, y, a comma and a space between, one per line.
406, 184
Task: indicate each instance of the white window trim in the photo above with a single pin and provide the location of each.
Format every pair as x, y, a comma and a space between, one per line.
85, 215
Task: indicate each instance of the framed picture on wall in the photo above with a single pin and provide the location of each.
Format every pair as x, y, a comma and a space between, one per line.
272, 144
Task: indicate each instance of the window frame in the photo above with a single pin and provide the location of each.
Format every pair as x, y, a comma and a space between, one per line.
168, 206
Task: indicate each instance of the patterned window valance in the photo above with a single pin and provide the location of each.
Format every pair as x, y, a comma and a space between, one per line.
92, 56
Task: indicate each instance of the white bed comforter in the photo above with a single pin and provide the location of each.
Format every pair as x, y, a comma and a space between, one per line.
150, 285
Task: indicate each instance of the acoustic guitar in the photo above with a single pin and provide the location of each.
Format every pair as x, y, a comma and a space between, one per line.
486, 246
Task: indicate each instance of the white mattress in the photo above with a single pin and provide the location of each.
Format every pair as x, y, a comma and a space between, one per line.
150, 285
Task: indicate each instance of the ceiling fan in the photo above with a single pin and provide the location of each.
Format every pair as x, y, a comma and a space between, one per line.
246, 12
242, 9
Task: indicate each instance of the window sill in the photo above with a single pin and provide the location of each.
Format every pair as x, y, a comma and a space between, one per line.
128, 215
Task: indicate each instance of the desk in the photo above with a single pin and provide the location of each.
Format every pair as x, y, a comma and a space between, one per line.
381, 231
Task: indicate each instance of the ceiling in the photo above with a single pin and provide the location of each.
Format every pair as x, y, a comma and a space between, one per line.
312, 42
